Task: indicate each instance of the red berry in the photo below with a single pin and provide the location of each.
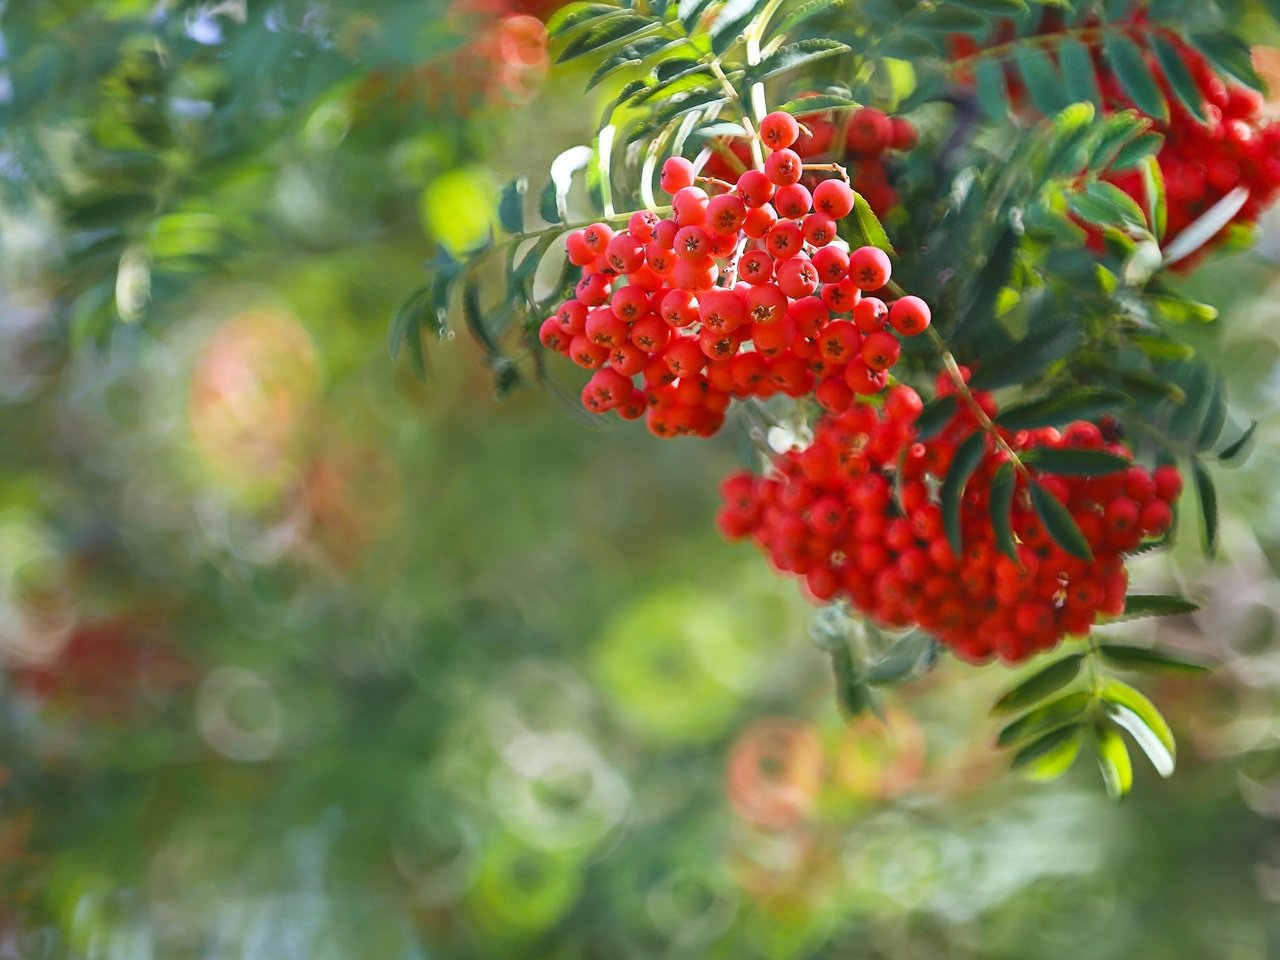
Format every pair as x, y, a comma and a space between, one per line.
833, 198
779, 130
869, 268
909, 316
677, 173
783, 167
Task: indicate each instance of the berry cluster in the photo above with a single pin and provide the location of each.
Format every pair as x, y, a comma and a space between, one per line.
861, 139
1202, 162
857, 515
744, 291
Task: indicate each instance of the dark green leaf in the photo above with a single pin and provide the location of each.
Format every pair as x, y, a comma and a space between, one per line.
1138, 605
794, 55
1208, 497
852, 693
577, 14
966, 460
946, 18
407, 316
1044, 82
1046, 717
1074, 461
1000, 504
1232, 450
1230, 55
1079, 72
1149, 659
817, 104
511, 205
729, 22
547, 206
1130, 67
1215, 415
1052, 754
1059, 523
1057, 409
993, 97
602, 34
1004, 8
1180, 80
1027, 358
474, 317
1040, 684
935, 415
1132, 710
1136, 150
1113, 760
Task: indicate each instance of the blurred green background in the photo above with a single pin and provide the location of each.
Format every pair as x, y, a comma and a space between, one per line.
305, 658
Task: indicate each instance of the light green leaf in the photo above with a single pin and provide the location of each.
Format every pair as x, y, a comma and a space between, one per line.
1052, 755
1135, 713
1113, 760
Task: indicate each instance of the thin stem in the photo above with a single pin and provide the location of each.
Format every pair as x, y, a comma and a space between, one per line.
829, 168
715, 182
757, 154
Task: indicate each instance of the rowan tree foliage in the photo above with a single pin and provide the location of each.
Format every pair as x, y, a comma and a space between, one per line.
968, 409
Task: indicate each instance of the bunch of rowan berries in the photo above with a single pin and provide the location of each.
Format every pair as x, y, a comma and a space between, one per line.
745, 290
862, 139
1202, 161
857, 515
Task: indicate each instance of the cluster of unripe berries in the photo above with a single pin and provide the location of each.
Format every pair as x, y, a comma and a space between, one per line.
857, 515
1201, 162
860, 139
744, 291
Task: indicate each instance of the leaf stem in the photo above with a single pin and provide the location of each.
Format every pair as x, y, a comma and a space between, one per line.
830, 168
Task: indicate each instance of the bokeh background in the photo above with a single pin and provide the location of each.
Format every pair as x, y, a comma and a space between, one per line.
303, 657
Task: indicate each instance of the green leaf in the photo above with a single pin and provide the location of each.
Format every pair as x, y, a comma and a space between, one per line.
1003, 8
1051, 755
1150, 659
729, 22
1039, 685
1027, 358
852, 693
794, 55
1215, 415
577, 14
1107, 205
1139, 605
1113, 760
1179, 77
1153, 190
1046, 717
1208, 497
1079, 72
949, 19
1232, 450
1230, 56
901, 661
1000, 505
1130, 67
869, 231
966, 460
602, 34
1059, 523
799, 15
1074, 461
689, 12
511, 205
1135, 713
1178, 309
1057, 409
936, 414
993, 96
548, 208
1043, 81
817, 104
1136, 150
407, 318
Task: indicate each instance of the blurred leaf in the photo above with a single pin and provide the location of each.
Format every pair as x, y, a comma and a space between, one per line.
1040, 684
1138, 605
511, 205
1084, 403
1130, 67
1132, 710
1154, 193
1106, 204
818, 103
1079, 73
1232, 450
1113, 759
1068, 709
1075, 462
1043, 81
603, 33
1215, 414
935, 415
992, 95
1150, 659
1175, 70
576, 14
966, 460
1028, 358
1207, 226
1059, 523
1230, 55
1051, 755
1000, 504
1208, 497
901, 661
1136, 150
